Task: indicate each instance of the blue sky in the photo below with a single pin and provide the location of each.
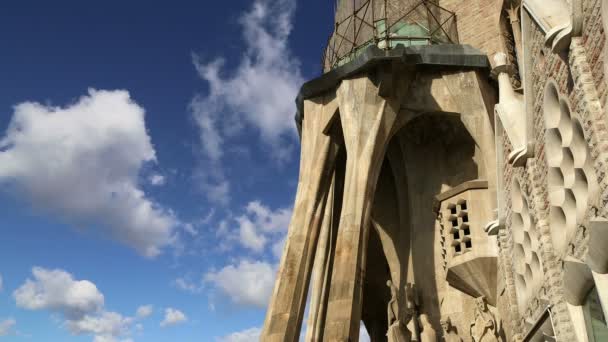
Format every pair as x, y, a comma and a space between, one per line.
148, 164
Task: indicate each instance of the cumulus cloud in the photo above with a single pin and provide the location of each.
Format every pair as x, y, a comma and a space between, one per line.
249, 283
157, 180
260, 224
106, 326
277, 248
6, 326
56, 290
186, 284
81, 162
144, 311
79, 302
247, 335
244, 96
173, 317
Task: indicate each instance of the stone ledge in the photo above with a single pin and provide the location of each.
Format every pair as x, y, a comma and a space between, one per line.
458, 189
443, 56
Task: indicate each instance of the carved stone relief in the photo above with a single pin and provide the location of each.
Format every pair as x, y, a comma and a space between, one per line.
486, 326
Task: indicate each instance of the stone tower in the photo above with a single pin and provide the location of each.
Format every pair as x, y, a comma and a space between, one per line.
452, 176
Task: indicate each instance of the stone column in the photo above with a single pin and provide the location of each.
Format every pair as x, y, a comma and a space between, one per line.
320, 276
368, 122
286, 309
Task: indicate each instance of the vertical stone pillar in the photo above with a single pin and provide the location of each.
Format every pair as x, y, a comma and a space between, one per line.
286, 309
320, 276
368, 122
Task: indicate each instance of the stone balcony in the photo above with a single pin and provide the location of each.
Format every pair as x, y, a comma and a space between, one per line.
470, 254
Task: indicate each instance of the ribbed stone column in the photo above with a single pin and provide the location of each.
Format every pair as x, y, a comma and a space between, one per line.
286, 309
368, 122
320, 277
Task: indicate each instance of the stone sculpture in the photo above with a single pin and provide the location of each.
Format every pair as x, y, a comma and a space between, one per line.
428, 334
486, 325
449, 335
396, 331
411, 308
393, 304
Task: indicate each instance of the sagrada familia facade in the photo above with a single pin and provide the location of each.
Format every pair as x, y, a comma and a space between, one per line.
453, 182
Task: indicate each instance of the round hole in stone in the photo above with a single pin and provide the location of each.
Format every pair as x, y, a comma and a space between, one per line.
551, 106
578, 146
553, 147
516, 197
527, 243
569, 207
567, 167
535, 264
565, 124
527, 220
556, 178
534, 237
557, 223
520, 284
581, 192
517, 226
556, 195
529, 275
519, 256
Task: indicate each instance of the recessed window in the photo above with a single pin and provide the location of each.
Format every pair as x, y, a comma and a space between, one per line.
454, 223
467, 231
456, 235
465, 218
453, 210
467, 243
463, 205
457, 248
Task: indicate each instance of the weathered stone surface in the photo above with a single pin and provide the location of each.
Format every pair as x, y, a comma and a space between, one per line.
410, 154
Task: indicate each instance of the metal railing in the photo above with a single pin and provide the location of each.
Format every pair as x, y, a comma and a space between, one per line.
386, 24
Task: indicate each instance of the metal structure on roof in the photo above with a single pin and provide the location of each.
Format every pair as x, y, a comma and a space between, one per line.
386, 24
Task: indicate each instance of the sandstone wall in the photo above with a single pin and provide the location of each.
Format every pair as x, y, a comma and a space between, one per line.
478, 23
579, 76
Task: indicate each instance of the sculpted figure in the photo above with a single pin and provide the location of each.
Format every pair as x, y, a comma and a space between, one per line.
486, 326
393, 304
411, 308
449, 335
396, 331
428, 333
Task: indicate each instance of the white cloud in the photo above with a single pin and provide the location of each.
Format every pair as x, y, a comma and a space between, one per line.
173, 317
56, 290
248, 335
268, 220
189, 228
144, 311
157, 179
260, 92
81, 162
106, 326
249, 283
277, 248
6, 326
249, 235
187, 285
79, 301
258, 224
